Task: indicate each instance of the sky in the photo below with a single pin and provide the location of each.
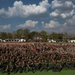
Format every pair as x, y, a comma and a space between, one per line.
37, 15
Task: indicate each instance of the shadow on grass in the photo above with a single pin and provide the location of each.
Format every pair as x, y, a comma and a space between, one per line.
63, 72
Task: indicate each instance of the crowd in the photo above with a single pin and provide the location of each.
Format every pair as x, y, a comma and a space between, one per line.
36, 57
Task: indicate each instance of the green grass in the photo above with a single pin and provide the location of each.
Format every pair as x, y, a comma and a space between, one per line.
63, 72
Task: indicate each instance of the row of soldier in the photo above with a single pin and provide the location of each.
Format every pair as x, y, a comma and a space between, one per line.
36, 56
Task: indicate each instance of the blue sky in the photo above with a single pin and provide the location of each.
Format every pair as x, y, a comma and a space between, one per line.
49, 15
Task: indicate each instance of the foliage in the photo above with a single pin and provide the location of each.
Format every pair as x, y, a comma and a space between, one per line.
27, 34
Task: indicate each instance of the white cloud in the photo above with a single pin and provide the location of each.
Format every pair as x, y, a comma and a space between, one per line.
4, 27
28, 23
62, 8
52, 24
54, 14
68, 26
3, 13
70, 22
19, 9
57, 4
44, 3
65, 15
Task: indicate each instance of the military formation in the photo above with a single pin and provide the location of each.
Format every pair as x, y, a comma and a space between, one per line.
36, 57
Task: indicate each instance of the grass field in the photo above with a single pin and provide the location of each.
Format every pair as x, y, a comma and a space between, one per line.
63, 72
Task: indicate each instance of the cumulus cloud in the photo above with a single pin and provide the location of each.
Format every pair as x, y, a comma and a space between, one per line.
57, 4
70, 22
63, 12
62, 8
21, 10
28, 23
54, 13
52, 24
4, 27
65, 15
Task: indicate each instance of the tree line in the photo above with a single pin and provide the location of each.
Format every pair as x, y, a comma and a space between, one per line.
27, 34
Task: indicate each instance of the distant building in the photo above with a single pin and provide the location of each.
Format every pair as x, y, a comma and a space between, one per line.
71, 41
51, 40
13, 40
0, 40
37, 38
22, 40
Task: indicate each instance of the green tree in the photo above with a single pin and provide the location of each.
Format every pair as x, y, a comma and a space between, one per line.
19, 33
44, 35
3, 35
9, 35
53, 36
56, 36
26, 33
33, 34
